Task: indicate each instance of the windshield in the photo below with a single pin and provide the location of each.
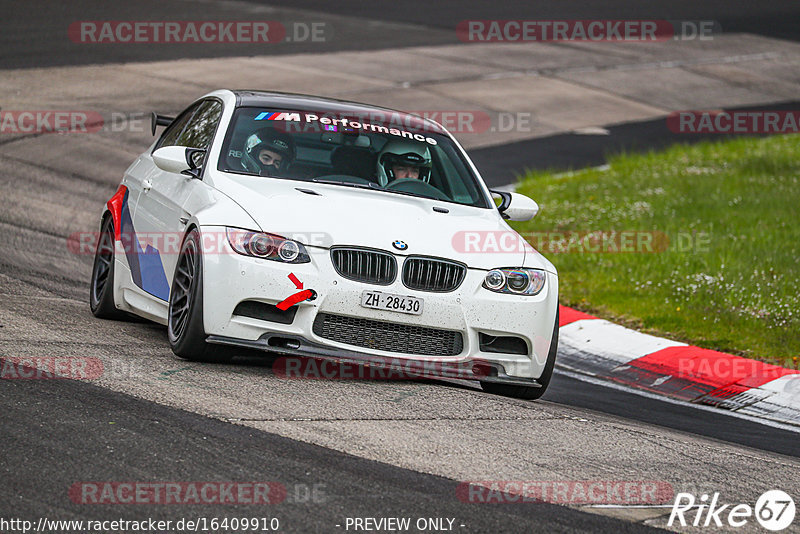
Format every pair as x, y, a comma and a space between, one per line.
395, 154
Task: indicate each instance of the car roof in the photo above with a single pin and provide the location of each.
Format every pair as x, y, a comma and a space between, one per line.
276, 99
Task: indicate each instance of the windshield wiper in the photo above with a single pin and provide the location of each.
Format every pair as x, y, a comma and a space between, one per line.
409, 194
241, 171
369, 185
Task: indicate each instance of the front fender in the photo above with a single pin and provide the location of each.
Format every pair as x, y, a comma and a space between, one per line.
211, 207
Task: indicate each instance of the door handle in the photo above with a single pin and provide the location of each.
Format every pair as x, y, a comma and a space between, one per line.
147, 185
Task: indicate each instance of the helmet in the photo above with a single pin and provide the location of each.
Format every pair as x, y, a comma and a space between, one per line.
403, 152
269, 139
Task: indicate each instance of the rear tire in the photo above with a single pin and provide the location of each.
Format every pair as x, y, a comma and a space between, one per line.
187, 335
529, 392
101, 287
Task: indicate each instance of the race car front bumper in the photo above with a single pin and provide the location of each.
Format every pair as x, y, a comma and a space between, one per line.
471, 312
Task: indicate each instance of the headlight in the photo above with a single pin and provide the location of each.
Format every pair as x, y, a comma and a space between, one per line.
289, 251
517, 281
495, 280
266, 246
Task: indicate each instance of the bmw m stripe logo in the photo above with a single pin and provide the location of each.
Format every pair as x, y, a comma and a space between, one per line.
277, 116
400, 245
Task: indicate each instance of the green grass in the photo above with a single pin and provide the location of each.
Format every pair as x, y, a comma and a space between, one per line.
728, 279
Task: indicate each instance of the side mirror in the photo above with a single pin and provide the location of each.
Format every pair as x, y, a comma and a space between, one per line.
516, 207
179, 159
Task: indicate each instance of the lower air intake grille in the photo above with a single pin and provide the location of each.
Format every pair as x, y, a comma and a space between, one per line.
362, 265
391, 337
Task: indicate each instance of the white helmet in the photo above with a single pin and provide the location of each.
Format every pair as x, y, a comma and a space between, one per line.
403, 152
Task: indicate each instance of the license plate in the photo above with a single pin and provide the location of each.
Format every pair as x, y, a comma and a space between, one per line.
390, 302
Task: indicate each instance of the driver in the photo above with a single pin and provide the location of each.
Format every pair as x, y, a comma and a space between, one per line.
268, 152
401, 159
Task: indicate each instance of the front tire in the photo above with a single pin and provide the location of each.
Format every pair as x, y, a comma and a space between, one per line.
187, 335
101, 287
529, 392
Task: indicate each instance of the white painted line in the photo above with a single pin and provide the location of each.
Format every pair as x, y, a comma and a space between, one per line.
647, 394
591, 130
613, 385
603, 340
629, 506
779, 398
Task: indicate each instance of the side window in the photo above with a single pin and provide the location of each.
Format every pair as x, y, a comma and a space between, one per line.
194, 127
200, 129
170, 135
451, 177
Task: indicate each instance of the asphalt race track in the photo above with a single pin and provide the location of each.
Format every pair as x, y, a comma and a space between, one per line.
341, 448
565, 151
71, 423
33, 31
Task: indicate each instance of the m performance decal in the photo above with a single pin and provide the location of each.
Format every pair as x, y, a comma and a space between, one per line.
277, 116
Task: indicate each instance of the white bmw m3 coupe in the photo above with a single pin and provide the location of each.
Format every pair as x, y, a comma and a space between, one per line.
313, 227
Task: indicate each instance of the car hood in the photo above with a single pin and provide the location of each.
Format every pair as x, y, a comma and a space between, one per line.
327, 215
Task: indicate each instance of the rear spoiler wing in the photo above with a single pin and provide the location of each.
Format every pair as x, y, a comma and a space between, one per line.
159, 120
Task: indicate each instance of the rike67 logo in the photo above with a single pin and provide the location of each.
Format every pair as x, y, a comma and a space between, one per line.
774, 510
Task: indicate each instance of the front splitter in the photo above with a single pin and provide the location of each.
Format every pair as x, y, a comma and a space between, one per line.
293, 345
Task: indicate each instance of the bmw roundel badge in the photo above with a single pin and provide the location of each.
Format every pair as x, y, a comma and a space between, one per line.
400, 245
